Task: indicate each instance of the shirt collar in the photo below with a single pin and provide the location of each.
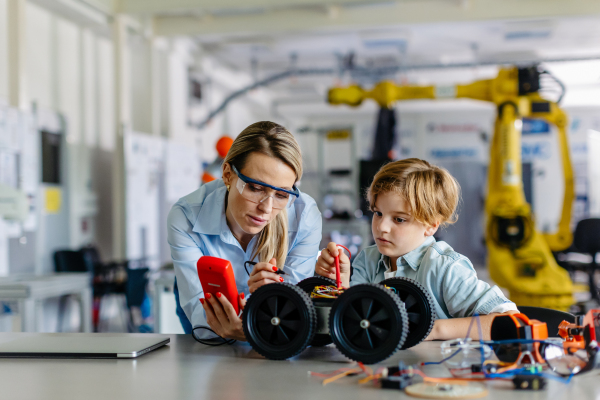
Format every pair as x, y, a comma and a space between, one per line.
412, 258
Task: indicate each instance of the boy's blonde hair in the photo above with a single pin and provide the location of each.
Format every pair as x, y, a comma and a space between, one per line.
431, 192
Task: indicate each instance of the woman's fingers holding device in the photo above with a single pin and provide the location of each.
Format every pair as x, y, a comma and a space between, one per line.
224, 320
242, 301
211, 319
262, 274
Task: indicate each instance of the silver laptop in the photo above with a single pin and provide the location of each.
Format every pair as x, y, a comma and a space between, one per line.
79, 345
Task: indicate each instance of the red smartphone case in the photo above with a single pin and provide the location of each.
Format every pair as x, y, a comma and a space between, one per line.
216, 275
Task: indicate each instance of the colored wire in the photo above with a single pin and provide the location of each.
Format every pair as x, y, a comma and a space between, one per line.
326, 292
444, 360
337, 371
343, 374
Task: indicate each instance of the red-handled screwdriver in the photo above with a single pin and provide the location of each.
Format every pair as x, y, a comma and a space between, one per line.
338, 280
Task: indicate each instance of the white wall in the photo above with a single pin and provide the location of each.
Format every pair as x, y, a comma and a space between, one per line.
3, 54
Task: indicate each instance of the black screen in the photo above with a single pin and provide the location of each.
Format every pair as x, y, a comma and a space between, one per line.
50, 157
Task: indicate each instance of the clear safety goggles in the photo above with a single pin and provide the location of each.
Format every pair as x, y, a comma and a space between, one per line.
258, 192
570, 360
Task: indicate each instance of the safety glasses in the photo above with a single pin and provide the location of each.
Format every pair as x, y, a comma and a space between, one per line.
258, 192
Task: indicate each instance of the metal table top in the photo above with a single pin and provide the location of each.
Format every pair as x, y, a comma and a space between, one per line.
185, 369
43, 286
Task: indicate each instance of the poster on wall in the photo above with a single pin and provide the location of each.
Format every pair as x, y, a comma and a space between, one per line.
144, 158
30, 166
4, 270
182, 170
457, 136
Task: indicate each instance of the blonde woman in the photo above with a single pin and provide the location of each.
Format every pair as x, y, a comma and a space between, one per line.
253, 214
410, 200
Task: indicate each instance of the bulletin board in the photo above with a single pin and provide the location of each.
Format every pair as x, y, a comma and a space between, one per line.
144, 164
19, 169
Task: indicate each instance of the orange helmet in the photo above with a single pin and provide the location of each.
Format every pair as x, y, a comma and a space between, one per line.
223, 145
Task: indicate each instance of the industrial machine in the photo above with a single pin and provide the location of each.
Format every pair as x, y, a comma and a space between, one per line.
519, 256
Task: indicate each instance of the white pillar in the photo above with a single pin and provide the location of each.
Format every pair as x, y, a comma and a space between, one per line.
16, 55
123, 121
155, 86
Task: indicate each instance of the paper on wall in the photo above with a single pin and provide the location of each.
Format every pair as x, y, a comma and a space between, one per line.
3, 249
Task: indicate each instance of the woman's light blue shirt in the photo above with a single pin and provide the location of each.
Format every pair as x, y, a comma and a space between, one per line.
448, 275
197, 227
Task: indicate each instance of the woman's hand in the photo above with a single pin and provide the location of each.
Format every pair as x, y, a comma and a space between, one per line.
326, 264
262, 274
221, 316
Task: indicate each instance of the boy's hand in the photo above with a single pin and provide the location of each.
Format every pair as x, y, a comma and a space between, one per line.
326, 264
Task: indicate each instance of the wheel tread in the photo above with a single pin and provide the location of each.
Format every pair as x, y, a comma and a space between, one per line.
312, 318
403, 316
410, 341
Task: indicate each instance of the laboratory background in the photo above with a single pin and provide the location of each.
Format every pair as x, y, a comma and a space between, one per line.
112, 110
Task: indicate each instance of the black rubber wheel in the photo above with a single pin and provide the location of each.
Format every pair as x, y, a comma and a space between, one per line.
308, 284
419, 305
368, 323
279, 320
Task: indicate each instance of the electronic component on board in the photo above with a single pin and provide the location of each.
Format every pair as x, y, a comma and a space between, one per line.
529, 382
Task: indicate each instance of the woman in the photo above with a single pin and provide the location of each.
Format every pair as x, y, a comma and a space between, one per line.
254, 213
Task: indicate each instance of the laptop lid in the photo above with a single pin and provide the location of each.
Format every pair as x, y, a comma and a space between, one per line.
79, 345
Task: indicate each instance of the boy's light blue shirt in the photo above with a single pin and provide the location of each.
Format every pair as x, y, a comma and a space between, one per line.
448, 275
197, 227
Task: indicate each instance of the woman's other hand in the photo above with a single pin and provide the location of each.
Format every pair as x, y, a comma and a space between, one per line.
263, 273
221, 316
326, 264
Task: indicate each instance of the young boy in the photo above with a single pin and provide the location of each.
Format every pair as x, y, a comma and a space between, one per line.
410, 200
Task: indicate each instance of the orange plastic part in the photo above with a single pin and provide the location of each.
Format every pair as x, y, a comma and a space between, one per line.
223, 146
539, 331
206, 177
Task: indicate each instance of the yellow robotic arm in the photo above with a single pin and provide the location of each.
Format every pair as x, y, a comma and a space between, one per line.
519, 257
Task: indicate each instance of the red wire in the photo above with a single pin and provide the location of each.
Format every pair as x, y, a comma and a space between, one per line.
338, 280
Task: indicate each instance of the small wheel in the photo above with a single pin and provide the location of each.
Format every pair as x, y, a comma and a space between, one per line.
279, 320
308, 284
419, 305
368, 323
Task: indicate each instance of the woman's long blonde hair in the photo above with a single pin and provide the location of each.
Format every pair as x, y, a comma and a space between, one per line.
272, 140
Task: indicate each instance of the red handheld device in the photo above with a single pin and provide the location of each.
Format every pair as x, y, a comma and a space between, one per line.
216, 275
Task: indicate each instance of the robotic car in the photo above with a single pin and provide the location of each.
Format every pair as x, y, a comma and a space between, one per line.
367, 322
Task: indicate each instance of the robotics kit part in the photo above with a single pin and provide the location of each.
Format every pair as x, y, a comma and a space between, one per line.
419, 307
469, 355
397, 382
279, 320
518, 326
308, 284
368, 322
529, 382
